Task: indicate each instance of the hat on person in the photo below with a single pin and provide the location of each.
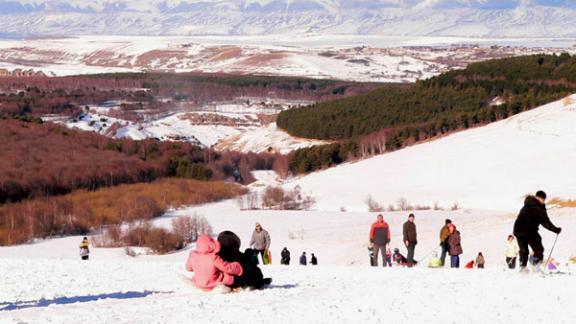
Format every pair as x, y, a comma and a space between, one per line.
541, 194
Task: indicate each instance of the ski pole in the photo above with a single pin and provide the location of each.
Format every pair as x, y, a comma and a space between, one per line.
551, 250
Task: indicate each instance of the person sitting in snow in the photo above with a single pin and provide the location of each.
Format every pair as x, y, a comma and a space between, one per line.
435, 261
480, 261
210, 270
399, 258
84, 249
252, 276
469, 265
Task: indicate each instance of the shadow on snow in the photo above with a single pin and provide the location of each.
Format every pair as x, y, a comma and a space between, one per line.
10, 306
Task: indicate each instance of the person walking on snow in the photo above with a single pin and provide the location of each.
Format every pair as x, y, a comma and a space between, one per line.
444, 233
512, 250
260, 241
454, 246
531, 216
303, 260
84, 249
410, 239
285, 257
379, 238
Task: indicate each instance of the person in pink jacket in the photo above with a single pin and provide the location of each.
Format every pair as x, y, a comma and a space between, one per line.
209, 269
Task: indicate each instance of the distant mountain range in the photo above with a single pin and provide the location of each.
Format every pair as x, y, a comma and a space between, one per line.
477, 18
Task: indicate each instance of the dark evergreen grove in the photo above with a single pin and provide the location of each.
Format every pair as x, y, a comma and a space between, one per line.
394, 116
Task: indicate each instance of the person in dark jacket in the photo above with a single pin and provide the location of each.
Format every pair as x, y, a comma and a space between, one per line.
285, 256
444, 234
410, 239
303, 259
252, 276
531, 216
379, 238
454, 246
313, 260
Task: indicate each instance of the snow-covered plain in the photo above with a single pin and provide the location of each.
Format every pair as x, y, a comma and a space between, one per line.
345, 57
44, 281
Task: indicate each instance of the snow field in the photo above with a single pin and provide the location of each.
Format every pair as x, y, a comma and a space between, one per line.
489, 167
297, 295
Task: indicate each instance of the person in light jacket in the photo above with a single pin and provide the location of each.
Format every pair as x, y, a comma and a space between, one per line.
260, 241
512, 250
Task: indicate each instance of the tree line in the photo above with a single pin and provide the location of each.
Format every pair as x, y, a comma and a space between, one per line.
395, 116
79, 212
156, 92
39, 160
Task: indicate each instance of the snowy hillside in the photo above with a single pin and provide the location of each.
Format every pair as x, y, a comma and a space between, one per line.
233, 126
354, 58
45, 279
480, 18
490, 167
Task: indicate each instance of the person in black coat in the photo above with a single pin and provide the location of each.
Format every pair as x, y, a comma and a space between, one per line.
531, 216
313, 260
303, 259
285, 254
252, 276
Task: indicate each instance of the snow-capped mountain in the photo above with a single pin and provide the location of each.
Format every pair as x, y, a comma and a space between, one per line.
495, 18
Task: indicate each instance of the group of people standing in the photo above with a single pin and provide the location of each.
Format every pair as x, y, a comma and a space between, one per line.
380, 242
531, 216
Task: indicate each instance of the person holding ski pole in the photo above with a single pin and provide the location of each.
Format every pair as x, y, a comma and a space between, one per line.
531, 216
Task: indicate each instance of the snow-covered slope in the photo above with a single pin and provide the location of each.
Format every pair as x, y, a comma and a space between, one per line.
129, 292
504, 18
45, 279
355, 58
486, 168
490, 167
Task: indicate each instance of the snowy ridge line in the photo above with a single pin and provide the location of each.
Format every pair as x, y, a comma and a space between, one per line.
260, 17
